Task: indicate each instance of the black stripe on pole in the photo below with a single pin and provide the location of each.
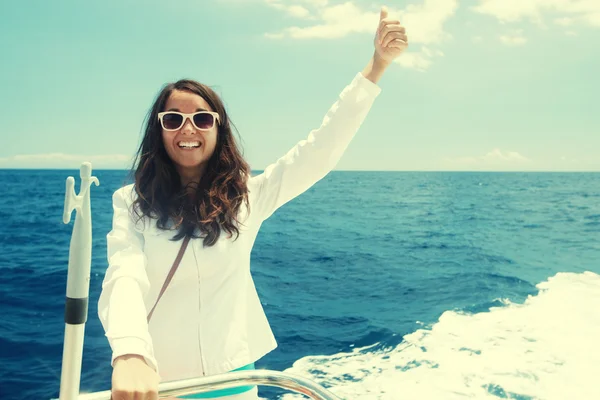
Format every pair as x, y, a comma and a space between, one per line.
76, 311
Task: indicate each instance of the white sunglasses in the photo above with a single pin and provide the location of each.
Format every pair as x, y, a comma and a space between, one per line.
202, 120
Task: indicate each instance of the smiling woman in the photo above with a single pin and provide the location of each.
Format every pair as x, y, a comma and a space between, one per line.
191, 182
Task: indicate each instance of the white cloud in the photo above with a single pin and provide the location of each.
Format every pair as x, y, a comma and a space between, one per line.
571, 11
564, 21
498, 160
61, 160
419, 60
513, 40
335, 21
569, 163
414, 60
424, 24
477, 39
593, 19
571, 160
494, 160
298, 11
294, 10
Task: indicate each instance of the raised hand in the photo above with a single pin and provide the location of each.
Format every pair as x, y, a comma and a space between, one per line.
390, 38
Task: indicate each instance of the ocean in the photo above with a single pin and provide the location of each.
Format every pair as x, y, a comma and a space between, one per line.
378, 285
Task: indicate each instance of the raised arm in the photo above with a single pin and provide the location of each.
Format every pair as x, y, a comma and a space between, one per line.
121, 304
314, 157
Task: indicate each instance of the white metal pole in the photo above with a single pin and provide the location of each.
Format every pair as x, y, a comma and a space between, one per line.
78, 280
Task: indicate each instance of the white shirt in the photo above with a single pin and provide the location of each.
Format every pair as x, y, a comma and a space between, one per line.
210, 319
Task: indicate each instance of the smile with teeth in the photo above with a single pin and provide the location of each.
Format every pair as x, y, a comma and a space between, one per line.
188, 145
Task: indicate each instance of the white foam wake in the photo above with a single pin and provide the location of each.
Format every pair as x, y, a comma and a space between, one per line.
546, 348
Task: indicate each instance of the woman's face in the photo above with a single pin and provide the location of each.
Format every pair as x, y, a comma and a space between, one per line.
190, 162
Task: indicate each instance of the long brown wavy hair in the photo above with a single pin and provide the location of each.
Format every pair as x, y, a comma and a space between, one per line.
216, 198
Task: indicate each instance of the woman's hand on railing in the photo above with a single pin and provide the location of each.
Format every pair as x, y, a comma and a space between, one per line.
133, 379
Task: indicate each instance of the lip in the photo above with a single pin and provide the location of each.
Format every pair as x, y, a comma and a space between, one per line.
189, 149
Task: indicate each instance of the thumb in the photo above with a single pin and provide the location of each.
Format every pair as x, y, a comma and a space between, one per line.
384, 13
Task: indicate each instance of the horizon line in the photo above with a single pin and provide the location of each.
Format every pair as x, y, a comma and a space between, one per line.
335, 170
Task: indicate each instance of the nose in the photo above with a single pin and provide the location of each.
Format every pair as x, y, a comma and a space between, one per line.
188, 126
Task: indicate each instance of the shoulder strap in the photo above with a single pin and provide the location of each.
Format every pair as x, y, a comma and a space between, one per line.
171, 273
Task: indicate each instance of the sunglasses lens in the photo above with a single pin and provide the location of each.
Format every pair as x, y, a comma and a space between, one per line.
204, 121
172, 121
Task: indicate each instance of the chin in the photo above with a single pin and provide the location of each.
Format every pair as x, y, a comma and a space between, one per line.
190, 164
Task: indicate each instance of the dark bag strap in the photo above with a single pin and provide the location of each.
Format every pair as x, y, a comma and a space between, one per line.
171, 273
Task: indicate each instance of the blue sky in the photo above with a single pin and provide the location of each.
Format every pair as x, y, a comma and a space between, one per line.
485, 84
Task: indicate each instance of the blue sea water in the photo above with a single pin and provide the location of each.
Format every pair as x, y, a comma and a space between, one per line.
376, 284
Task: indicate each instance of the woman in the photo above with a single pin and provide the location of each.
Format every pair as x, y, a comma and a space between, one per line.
191, 183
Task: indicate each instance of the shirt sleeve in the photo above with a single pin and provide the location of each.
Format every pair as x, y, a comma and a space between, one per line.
314, 157
121, 305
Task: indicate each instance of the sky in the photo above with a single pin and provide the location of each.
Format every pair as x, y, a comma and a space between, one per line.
492, 85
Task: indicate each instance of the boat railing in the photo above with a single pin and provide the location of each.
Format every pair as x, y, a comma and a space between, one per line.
229, 380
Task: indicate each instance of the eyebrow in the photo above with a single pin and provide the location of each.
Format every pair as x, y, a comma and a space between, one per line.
177, 109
